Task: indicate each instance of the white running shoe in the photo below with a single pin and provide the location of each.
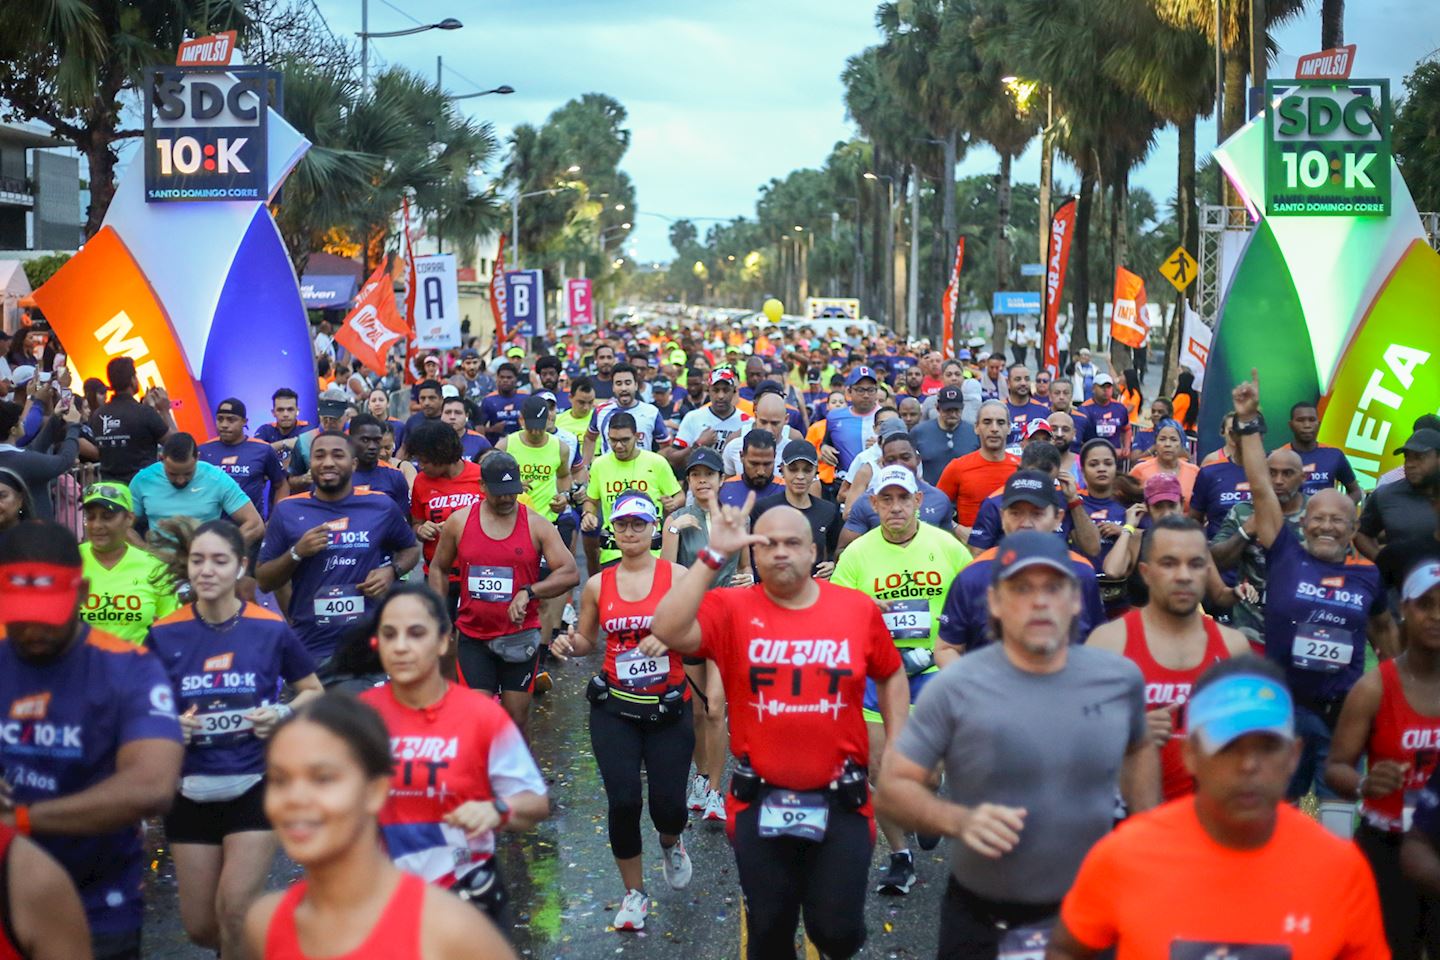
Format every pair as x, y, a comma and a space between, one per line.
715, 807
633, 910
677, 865
695, 799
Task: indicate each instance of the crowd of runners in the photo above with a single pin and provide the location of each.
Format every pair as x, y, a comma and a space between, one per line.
821, 591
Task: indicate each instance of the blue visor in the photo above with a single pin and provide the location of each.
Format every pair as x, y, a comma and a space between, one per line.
1239, 704
633, 505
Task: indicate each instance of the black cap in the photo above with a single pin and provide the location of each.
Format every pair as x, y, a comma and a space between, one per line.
705, 457
1421, 441
949, 398
469, 353
232, 406
1031, 548
1029, 486
535, 413
798, 450
501, 474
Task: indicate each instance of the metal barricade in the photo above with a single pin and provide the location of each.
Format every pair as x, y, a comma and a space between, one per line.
66, 492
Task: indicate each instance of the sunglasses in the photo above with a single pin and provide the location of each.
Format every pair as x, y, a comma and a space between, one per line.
110, 491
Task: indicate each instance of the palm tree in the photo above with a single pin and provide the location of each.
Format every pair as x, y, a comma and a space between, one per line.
1332, 23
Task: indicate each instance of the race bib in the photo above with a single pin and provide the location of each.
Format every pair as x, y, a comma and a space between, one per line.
495, 584
908, 619
635, 669
1207, 950
223, 722
1025, 943
1322, 648
785, 813
336, 605
1105, 429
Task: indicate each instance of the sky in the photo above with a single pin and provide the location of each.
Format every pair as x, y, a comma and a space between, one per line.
722, 97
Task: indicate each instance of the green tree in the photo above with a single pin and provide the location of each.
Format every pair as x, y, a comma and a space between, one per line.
1417, 135
71, 64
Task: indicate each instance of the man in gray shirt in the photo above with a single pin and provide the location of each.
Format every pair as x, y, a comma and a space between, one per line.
1036, 736
946, 437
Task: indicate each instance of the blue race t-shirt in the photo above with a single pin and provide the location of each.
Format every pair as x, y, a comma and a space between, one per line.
1325, 467
208, 495
1104, 510
250, 463
62, 727
965, 618
732, 493
502, 410
365, 530
1020, 415
472, 444
1316, 615
847, 431
988, 529
386, 480
1218, 487
650, 430
397, 430
224, 672
1108, 421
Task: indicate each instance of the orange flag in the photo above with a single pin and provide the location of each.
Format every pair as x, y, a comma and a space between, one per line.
1128, 321
374, 326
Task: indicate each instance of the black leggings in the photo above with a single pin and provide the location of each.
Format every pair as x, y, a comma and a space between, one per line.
621, 746
780, 875
1412, 919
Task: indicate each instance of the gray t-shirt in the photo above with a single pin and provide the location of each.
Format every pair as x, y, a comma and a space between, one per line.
692, 540
1051, 743
937, 448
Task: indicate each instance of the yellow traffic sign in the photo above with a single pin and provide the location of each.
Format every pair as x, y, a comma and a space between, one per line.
1179, 268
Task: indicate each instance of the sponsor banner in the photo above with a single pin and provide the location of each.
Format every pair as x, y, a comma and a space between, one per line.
1015, 302
1332, 64
525, 302
951, 301
832, 308
374, 326
205, 133
497, 293
212, 51
1327, 148
322, 290
437, 302
1062, 228
1129, 322
1195, 345
101, 307
578, 292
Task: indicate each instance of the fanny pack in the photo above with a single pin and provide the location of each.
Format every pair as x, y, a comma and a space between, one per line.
1112, 589
917, 660
642, 708
516, 647
482, 888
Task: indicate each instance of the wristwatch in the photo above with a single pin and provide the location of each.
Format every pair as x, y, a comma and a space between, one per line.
1249, 426
295, 556
502, 808
529, 594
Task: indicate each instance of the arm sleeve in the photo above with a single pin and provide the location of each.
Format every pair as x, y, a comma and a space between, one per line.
860, 517
953, 615
1139, 733
166, 602
986, 532
662, 432
137, 497
847, 570
949, 483
512, 769
232, 498
665, 481
399, 534
1088, 911
686, 433
832, 532
274, 470
274, 543
148, 708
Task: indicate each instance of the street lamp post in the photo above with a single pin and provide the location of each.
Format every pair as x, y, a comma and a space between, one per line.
449, 23
889, 241
515, 212
503, 90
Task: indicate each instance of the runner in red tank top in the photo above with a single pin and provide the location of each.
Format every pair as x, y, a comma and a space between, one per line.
1170, 639
1392, 717
497, 545
40, 913
639, 704
327, 769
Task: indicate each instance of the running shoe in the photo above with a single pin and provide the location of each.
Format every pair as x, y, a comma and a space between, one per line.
695, 799
677, 866
543, 683
714, 807
899, 877
633, 910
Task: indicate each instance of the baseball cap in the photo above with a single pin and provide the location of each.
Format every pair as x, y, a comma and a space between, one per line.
233, 406
964, 354
800, 450
1040, 425
22, 375
894, 475
469, 353
1024, 549
1236, 704
1162, 488
39, 592
704, 457
633, 503
662, 384
1029, 486
449, 390
1104, 378
434, 356
812, 374
1420, 580
535, 413
332, 402
501, 474
890, 428
515, 352
722, 375
858, 374
109, 494
1421, 441
949, 398
548, 397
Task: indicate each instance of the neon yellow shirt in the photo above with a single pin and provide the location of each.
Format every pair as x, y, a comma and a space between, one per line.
124, 600
913, 577
565, 420
539, 467
610, 477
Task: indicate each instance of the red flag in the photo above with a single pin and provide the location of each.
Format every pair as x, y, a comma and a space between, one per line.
951, 301
414, 372
1128, 321
1062, 228
374, 326
498, 303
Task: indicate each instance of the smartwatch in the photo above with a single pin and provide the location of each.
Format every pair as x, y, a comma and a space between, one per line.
502, 808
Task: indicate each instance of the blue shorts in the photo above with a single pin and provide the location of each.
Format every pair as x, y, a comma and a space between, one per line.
872, 695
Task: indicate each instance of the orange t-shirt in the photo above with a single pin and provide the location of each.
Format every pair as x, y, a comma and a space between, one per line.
968, 480
1181, 407
1159, 886
1185, 473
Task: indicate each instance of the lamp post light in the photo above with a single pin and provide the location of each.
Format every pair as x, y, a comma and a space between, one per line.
889, 241
515, 214
449, 23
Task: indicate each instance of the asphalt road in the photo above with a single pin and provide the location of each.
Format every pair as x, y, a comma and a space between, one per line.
566, 889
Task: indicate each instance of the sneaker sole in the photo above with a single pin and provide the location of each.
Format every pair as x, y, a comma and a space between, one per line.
895, 889
713, 819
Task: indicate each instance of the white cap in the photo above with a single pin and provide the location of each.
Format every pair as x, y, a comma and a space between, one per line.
1420, 580
894, 476
449, 391
1102, 379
